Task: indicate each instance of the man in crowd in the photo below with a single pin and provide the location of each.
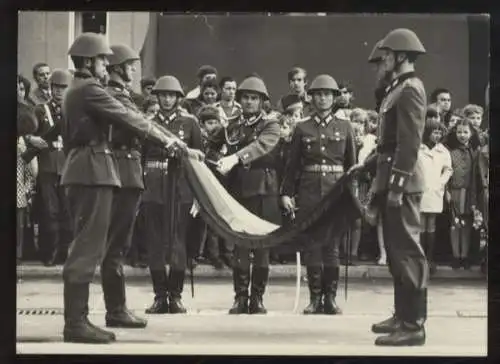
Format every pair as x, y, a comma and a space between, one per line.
91, 177
228, 107
55, 223
442, 98
398, 187
41, 74
204, 74
254, 182
297, 81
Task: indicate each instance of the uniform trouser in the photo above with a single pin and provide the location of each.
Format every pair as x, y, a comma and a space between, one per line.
123, 215
55, 222
406, 258
90, 208
157, 236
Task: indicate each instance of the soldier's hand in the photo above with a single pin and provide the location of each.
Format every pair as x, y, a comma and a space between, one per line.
394, 199
38, 142
195, 154
195, 209
288, 204
356, 169
227, 163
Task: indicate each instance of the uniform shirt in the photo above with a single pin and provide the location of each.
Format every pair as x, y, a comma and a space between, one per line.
317, 141
436, 163
50, 118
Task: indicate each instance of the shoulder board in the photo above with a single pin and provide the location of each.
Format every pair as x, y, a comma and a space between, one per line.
412, 82
273, 115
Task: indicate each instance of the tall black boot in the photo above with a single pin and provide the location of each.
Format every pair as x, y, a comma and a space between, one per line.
392, 323
175, 288
241, 280
77, 327
160, 304
411, 331
260, 277
330, 284
117, 314
314, 281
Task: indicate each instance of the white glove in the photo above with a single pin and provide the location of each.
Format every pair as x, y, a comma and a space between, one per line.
195, 209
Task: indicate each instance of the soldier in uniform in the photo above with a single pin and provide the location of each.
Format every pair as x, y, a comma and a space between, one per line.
91, 176
375, 58
55, 223
126, 149
254, 182
158, 202
322, 148
398, 187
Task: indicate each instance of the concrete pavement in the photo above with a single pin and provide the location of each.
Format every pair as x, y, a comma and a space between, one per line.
457, 324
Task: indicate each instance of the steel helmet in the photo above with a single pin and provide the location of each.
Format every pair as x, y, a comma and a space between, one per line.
121, 54
402, 40
254, 84
168, 83
60, 77
376, 54
90, 45
324, 82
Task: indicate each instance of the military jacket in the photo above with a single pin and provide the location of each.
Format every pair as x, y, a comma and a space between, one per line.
50, 118
402, 120
125, 145
88, 111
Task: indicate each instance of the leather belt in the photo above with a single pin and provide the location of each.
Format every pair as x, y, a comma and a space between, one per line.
157, 164
323, 168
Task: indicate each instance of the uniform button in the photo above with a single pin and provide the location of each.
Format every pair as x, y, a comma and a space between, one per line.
323, 161
324, 174
323, 136
107, 151
323, 148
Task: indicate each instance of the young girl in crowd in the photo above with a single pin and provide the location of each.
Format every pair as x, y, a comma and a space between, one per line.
436, 163
456, 115
209, 94
474, 113
464, 188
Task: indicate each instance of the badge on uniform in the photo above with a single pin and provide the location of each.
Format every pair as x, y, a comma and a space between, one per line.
181, 134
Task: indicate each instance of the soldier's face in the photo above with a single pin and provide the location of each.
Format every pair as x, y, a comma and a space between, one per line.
100, 64
229, 91
209, 95
128, 71
167, 100
42, 77
388, 61
58, 92
323, 100
444, 101
298, 83
250, 102
21, 92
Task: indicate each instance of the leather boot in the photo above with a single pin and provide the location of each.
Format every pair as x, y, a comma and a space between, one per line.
77, 327
392, 323
117, 314
330, 285
411, 331
160, 304
260, 277
241, 280
175, 288
314, 281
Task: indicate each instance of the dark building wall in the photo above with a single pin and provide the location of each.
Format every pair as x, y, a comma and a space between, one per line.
339, 45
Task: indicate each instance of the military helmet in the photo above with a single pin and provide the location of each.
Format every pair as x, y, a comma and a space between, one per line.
90, 45
168, 83
121, 54
324, 82
60, 77
376, 54
402, 40
254, 84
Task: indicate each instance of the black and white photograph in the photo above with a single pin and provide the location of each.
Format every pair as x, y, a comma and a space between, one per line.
288, 184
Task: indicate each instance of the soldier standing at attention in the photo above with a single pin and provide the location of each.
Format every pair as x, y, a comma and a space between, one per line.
398, 187
126, 149
91, 176
322, 148
375, 58
157, 205
254, 183
55, 227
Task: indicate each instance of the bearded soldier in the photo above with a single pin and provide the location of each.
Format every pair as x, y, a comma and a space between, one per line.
254, 182
322, 149
91, 176
398, 187
160, 175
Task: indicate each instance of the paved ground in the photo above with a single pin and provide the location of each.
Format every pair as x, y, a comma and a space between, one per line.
457, 323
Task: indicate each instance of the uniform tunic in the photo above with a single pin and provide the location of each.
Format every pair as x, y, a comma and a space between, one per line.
321, 150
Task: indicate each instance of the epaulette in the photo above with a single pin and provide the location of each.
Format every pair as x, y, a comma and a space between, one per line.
413, 82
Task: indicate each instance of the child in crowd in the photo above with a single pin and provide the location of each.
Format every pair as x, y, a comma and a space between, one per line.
456, 115
436, 163
464, 188
474, 113
150, 107
292, 107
